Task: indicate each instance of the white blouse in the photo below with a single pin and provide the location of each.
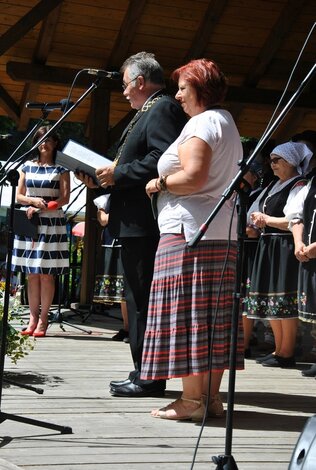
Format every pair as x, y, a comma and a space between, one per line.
187, 213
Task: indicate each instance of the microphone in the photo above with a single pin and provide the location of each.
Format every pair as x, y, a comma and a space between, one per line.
51, 206
104, 74
62, 104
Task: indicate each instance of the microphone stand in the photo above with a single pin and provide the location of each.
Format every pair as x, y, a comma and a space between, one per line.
37, 125
226, 461
21, 159
13, 177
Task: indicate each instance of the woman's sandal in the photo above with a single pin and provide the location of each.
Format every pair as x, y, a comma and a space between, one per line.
177, 411
215, 406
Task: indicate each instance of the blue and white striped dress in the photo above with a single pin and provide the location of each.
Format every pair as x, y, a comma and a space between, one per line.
50, 253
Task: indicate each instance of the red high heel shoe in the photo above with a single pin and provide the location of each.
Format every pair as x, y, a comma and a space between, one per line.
28, 332
40, 333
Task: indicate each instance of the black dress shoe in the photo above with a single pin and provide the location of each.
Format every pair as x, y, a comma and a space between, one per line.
247, 353
120, 335
134, 390
310, 372
278, 361
261, 359
119, 383
287, 362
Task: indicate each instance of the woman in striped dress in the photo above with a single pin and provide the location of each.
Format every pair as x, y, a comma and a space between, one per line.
42, 181
188, 304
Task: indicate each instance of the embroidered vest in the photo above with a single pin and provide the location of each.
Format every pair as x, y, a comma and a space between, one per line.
274, 205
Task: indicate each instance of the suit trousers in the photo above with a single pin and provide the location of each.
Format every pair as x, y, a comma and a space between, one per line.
138, 257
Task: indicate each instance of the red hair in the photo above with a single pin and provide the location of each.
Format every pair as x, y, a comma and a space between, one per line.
207, 79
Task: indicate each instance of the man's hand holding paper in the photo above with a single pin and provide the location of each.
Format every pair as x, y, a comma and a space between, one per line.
105, 176
86, 179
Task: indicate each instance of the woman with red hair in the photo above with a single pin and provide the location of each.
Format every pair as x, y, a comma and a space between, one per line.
192, 289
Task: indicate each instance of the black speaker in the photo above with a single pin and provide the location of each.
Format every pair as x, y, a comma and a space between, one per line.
304, 455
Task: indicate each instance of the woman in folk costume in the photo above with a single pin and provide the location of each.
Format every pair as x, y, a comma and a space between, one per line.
301, 216
272, 291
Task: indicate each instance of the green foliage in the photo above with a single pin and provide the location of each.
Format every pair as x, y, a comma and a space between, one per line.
17, 346
7, 126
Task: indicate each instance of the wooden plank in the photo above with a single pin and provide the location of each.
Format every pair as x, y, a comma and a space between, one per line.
74, 370
208, 22
127, 31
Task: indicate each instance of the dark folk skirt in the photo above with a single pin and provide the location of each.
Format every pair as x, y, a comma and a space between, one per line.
187, 307
272, 287
109, 283
306, 291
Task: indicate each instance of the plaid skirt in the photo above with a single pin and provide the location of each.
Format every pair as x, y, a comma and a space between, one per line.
191, 303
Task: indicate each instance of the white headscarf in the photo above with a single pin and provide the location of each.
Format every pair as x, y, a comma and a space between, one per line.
296, 154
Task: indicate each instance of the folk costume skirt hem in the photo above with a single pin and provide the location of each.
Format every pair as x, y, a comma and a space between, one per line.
272, 288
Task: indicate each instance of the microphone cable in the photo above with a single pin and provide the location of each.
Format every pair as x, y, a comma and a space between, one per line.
286, 87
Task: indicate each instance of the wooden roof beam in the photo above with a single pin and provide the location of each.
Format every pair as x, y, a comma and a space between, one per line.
281, 28
123, 41
9, 105
126, 33
201, 39
10, 37
40, 55
124, 38
64, 76
25, 24
290, 125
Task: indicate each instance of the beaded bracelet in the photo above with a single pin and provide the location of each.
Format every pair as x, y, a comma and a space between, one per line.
163, 183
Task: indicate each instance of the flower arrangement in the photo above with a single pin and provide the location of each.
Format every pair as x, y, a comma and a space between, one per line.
17, 346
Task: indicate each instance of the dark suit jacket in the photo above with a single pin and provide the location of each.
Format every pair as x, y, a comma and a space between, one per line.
130, 213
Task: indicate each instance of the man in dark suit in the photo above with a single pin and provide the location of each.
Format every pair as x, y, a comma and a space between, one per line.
157, 123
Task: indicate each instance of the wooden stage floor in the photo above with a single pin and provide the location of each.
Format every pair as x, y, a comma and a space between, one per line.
74, 369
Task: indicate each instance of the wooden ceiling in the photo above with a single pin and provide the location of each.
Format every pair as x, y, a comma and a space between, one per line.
43, 44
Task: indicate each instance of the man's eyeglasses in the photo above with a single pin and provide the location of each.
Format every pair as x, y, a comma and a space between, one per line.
125, 85
275, 160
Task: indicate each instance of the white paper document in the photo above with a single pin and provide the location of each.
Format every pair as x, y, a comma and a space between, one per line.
77, 157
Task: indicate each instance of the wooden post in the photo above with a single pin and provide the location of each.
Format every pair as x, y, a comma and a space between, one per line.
98, 132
